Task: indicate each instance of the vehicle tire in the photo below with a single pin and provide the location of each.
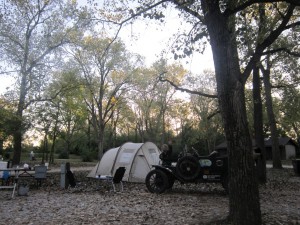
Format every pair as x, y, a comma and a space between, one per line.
157, 181
188, 168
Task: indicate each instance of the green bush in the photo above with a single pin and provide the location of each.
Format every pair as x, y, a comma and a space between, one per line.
63, 155
88, 156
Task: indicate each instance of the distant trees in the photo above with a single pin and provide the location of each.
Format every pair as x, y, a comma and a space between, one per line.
68, 111
7, 121
31, 33
106, 70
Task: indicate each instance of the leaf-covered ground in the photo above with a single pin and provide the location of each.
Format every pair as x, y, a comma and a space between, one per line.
92, 203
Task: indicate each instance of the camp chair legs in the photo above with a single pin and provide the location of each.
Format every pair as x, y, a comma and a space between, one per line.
38, 183
10, 187
114, 186
14, 190
116, 179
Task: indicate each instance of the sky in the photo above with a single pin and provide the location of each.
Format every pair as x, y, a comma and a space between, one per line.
153, 38
5, 82
149, 39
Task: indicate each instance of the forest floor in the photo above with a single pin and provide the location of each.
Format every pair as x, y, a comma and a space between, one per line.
92, 202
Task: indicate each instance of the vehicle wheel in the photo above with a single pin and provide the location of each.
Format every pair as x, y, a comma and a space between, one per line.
157, 181
188, 168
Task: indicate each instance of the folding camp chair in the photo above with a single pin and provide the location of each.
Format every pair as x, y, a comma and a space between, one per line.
116, 179
40, 174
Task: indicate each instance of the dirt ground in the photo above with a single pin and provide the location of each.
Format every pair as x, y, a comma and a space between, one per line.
93, 203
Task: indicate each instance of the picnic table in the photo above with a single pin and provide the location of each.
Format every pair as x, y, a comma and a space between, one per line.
18, 172
12, 172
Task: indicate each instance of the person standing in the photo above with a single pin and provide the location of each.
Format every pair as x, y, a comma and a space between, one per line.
166, 155
32, 158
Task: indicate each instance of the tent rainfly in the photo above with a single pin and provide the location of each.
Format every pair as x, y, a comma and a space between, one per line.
137, 158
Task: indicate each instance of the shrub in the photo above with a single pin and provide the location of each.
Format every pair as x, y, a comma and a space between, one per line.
63, 155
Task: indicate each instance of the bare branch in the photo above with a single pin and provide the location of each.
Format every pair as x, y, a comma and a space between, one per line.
122, 23
184, 89
288, 51
12, 71
216, 112
184, 6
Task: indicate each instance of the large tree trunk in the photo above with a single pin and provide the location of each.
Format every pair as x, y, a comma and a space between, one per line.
272, 122
258, 127
244, 206
17, 144
18, 133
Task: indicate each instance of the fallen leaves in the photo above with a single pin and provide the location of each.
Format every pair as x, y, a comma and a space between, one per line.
93, 203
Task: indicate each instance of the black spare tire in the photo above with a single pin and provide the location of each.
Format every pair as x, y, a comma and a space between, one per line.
188, 168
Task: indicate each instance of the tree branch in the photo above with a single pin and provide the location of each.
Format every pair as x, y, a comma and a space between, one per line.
288, 51
184, 89
267, 42
183, 5
216, 112
241, 7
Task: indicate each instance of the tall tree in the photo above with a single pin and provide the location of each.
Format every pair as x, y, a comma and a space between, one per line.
66, 110
31, 32
153, 100
106, 70
205, 110
289, 109
258, 126
276, 157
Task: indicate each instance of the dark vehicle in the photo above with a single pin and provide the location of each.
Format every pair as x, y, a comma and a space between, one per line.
190, 168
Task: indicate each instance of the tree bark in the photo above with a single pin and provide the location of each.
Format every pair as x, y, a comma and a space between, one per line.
18, 133
100, 144
17, 144
258, 127
244, 206
272, 122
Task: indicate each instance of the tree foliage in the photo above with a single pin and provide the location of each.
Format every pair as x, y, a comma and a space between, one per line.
31, 34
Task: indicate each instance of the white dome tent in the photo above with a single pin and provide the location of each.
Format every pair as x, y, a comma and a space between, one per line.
137, 158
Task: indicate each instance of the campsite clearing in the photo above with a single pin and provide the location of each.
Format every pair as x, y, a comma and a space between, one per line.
185, 204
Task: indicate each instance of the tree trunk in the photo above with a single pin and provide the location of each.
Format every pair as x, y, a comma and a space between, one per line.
258, 127
100, 147
101, 141
51, 159
18, 133
272, 122
244, 206
17, 144
55, 131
